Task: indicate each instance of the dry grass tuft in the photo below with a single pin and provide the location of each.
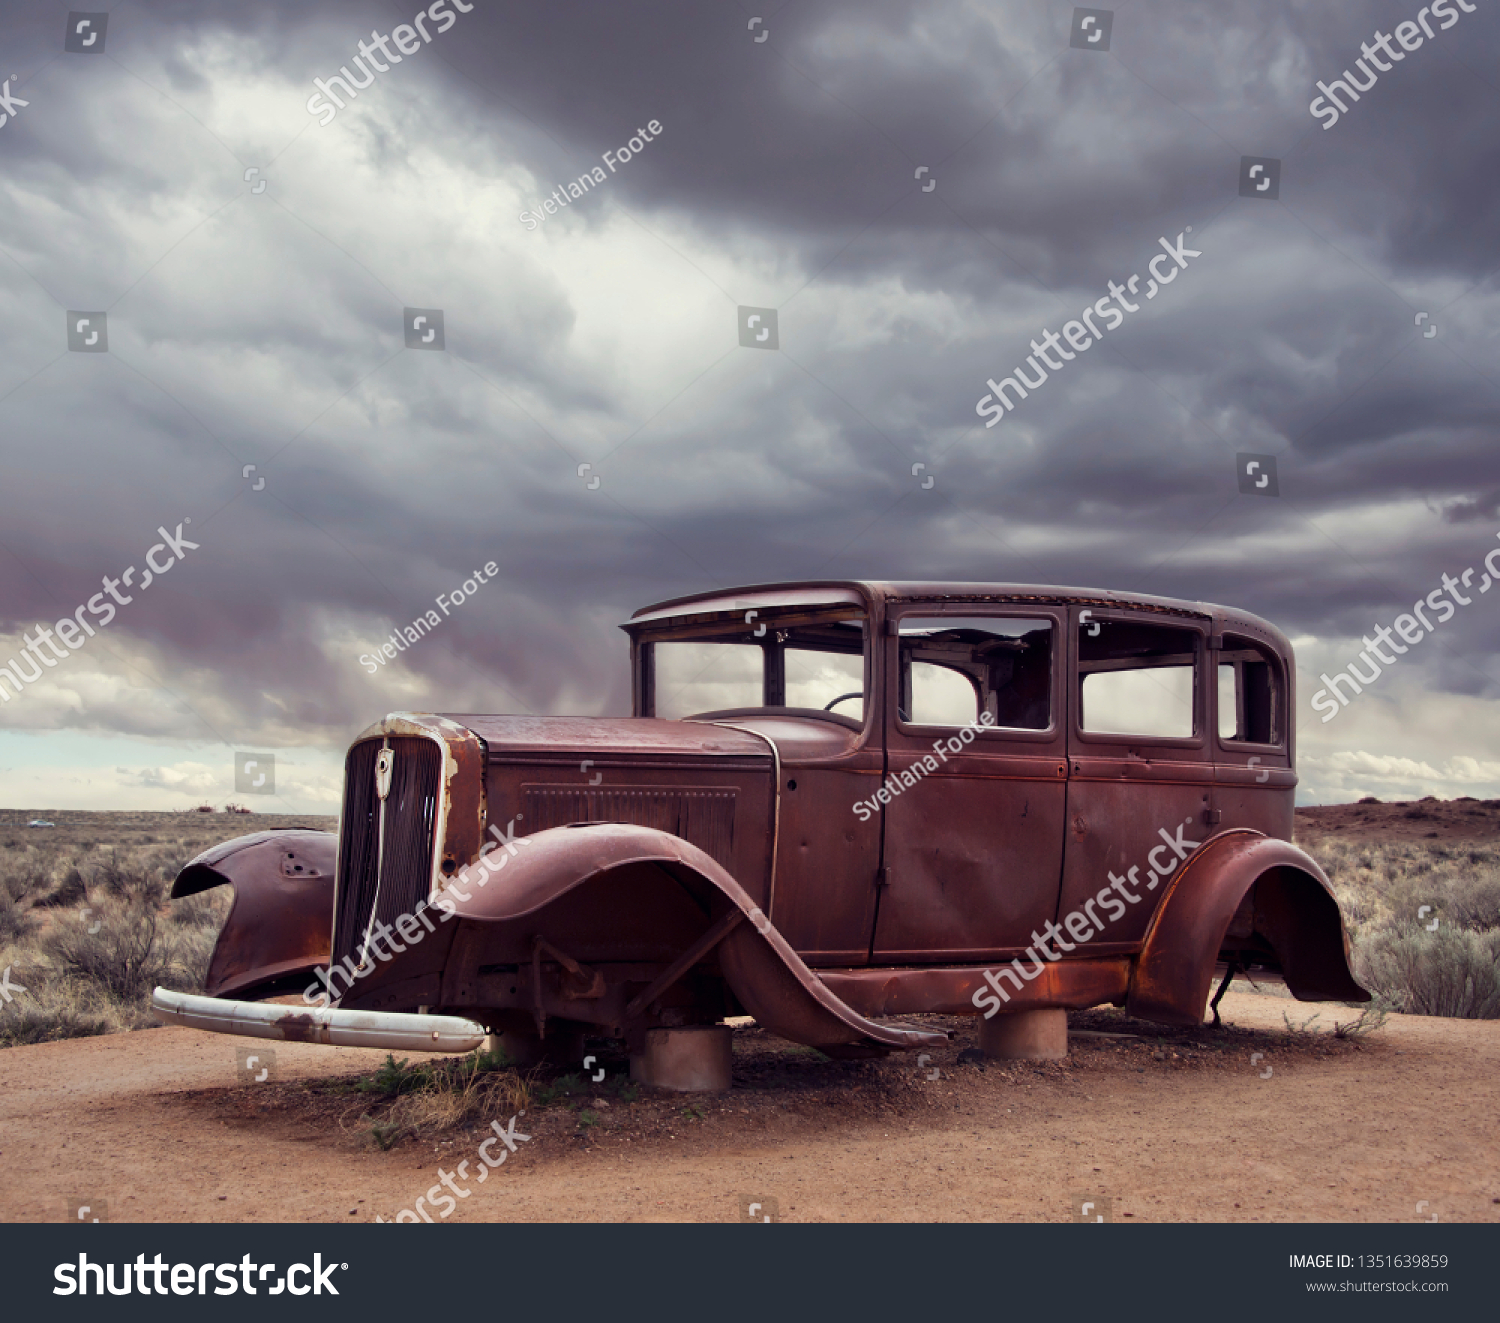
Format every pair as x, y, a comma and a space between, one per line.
431, 1097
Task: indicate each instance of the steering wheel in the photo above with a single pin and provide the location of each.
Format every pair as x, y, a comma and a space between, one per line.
843, 698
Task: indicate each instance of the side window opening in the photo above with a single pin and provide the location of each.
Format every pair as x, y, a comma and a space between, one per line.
1138, 679
1251, 698
952, 670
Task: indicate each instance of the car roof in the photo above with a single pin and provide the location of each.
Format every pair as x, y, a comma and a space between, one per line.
875, 596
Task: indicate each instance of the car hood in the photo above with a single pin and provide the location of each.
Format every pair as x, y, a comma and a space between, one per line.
544, 739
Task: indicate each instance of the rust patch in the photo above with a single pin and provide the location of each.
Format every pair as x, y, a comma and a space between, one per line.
298, 1027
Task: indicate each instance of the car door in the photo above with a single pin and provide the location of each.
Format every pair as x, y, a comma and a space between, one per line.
975, 791
1140, 775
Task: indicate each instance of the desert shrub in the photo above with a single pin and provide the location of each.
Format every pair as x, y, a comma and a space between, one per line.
1388, 884
194, 948
1382, 890
129, 880
15, 923
166, 861
203, 909
131, 952
28, 875
71, 892
1474, 901
1453, 971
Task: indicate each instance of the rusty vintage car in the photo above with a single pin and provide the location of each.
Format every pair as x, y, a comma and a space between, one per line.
835, 804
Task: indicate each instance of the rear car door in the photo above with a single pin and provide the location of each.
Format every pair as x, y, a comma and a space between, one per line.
1140, 777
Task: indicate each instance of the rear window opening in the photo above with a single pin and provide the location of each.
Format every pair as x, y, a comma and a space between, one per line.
1251, 697
1136, 679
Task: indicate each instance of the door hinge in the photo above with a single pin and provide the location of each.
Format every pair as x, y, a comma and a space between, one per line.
882, 878
1213, 816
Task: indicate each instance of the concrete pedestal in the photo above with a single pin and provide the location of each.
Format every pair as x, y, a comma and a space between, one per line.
1040, 1035
694, 1059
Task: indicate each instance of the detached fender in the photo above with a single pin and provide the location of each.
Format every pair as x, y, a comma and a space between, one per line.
1292, 908
765, 973
279, 926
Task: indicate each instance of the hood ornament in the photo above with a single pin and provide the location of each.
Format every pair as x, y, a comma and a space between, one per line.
383, 763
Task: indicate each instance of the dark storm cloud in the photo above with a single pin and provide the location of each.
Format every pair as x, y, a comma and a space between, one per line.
266, 329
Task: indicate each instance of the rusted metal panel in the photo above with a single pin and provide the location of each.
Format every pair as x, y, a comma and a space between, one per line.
950, 991
972, 858
569, 739
1294, 910
277, 930
702, 815
731, 807
827, 859
821, 770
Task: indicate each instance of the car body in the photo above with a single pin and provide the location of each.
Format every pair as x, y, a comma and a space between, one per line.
835, 803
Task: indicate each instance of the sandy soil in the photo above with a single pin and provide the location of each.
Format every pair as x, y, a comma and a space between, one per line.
1170, 1126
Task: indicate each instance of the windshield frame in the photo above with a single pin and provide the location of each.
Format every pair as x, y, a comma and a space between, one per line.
777, 629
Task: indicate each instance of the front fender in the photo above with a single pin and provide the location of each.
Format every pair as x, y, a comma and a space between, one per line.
279, 926
1293, 909
766, 975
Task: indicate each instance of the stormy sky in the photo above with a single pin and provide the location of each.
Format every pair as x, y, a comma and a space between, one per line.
916, 190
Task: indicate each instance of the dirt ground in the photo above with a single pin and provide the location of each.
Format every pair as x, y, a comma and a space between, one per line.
1251, 1122
1174, 1125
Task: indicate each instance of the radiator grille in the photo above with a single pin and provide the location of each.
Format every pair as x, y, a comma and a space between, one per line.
704, 818
395, 886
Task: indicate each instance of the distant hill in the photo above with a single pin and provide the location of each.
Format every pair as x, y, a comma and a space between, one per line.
1430, 819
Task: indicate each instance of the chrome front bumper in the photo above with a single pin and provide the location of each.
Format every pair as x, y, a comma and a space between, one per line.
310, 1024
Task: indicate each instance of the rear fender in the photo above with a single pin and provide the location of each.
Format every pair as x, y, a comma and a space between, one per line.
1293, 909
279, 926
766, 975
